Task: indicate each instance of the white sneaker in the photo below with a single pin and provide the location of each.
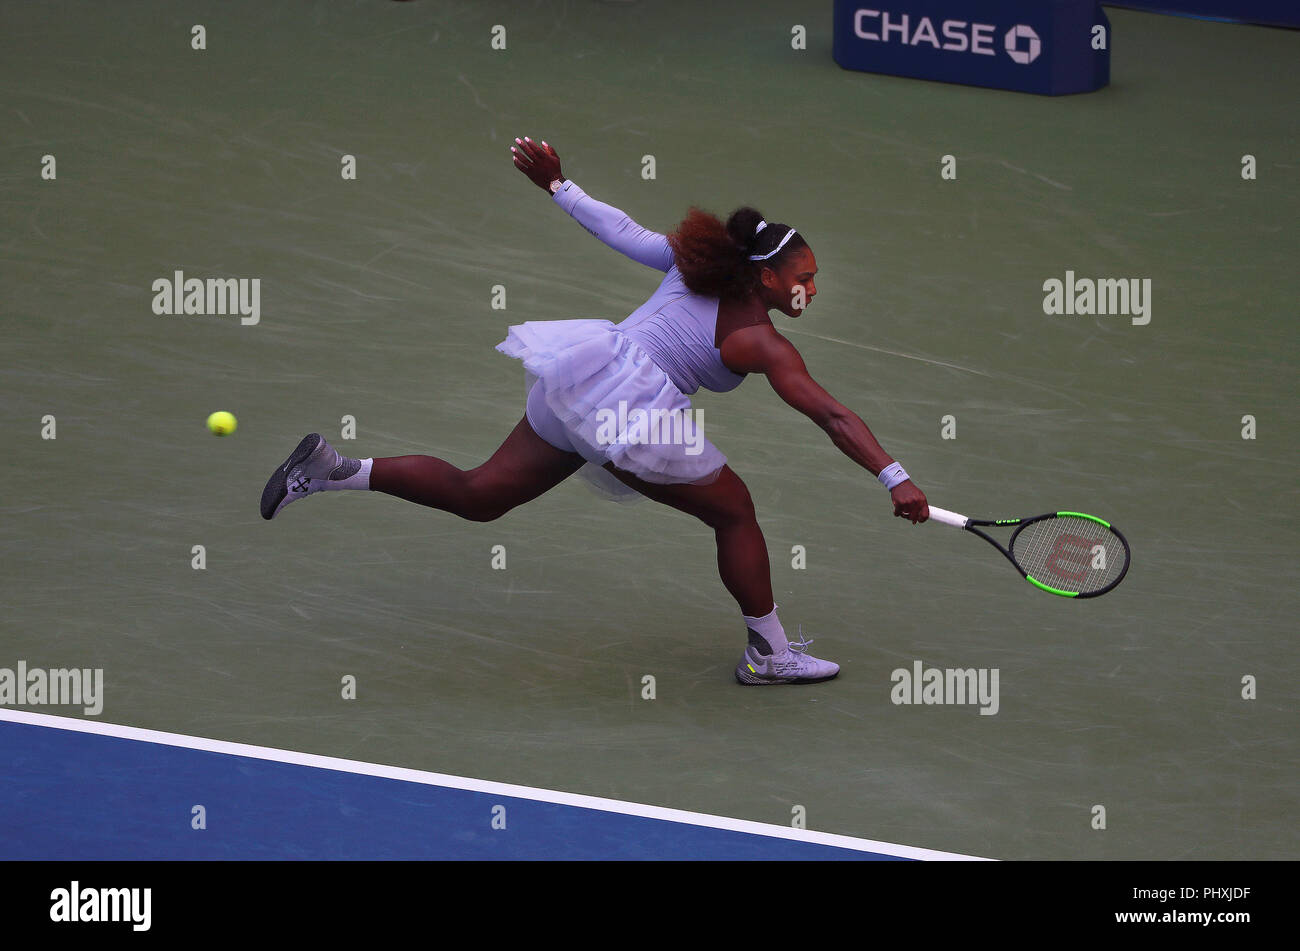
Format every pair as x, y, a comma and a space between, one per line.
792, 666
305, 473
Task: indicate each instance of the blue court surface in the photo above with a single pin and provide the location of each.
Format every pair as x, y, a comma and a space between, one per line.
83, 790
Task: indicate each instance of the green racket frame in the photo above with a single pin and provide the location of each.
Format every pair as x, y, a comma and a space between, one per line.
945, 517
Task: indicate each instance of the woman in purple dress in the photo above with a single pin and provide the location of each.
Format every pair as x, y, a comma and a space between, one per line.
611, 402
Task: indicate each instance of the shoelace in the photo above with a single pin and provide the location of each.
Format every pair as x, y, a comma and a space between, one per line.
802, 646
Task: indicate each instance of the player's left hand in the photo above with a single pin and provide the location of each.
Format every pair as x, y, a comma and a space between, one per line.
538, 161
909, 502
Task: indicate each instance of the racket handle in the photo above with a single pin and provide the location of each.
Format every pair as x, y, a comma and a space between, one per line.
945, 517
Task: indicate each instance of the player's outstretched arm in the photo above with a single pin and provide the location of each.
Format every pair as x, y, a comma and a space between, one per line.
541, 164
760, 349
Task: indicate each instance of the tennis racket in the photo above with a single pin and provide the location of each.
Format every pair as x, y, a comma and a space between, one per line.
1065, 553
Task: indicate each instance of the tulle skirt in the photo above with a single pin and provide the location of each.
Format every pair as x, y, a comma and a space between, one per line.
614, 403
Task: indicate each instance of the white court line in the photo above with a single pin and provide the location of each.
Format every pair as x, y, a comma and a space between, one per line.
892, 353
478, 785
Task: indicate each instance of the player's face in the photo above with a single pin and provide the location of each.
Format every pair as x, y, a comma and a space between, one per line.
791, 285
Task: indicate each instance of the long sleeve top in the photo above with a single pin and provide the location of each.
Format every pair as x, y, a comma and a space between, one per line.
675, 326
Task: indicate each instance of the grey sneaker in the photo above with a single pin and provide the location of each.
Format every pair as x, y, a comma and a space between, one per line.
792, 666
305, 472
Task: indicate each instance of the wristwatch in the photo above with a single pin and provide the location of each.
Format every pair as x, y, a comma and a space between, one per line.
556, 185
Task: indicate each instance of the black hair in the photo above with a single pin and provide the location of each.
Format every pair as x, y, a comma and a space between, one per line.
715, 258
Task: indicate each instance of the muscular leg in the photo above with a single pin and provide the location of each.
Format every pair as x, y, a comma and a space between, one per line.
525, 466
725, 506
520, 470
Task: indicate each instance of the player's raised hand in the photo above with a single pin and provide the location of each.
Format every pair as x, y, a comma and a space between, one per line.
538, 161
909, 502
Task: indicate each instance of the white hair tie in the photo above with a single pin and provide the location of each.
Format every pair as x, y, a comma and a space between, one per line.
763, 257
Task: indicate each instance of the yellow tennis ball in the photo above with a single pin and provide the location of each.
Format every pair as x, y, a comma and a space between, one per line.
222, 423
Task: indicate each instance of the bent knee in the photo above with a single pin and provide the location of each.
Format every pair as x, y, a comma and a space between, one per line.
741, 507
483, 513
732, 503
483, 499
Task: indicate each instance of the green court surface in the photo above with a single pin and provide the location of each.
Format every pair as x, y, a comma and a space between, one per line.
376, 303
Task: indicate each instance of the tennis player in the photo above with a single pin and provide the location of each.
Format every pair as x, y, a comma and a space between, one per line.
706, 325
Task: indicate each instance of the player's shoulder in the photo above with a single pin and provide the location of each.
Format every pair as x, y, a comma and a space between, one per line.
756, 347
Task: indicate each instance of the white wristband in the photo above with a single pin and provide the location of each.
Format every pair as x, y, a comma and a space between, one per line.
892, 475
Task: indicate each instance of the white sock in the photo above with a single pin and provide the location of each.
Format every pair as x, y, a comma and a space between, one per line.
766, 635
351, 474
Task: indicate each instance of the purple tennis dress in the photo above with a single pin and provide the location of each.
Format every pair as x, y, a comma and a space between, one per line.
618, 393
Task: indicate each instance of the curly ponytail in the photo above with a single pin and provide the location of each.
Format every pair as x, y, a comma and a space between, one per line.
714, 258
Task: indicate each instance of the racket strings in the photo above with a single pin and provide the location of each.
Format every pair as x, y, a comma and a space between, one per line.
1069, 553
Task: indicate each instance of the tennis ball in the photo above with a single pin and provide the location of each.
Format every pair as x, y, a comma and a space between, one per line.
222, 423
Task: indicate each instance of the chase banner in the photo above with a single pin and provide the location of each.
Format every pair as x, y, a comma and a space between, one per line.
1051, 47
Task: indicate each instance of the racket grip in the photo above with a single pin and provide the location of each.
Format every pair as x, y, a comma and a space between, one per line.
948, 518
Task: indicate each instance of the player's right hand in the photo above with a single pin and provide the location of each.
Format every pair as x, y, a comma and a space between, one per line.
909, 502
538, 161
